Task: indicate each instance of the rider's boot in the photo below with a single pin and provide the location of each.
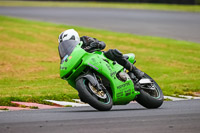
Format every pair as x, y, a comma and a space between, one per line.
139, 74
116, 55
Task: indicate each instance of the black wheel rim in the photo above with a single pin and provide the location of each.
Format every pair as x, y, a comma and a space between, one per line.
100, 96
154, 92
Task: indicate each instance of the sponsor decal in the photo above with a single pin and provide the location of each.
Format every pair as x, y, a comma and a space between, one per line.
63, 68
93, 66
93, 59
119, 94
70, 58
128, 92
113, 74
109, 68
64, 59
123, 85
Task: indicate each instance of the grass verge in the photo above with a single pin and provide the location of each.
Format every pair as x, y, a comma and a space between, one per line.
29, 61
144, 6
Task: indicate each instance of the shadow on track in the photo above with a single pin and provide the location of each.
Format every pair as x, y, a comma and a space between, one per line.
93, 110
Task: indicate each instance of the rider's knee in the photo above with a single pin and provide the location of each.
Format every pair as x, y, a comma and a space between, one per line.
113, 54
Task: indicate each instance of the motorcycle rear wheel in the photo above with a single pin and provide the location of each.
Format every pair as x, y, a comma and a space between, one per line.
101, 101
150, 98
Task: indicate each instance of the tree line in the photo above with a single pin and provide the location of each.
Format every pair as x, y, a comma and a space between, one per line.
186, 2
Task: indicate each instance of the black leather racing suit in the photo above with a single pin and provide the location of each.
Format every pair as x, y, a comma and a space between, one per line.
92, 44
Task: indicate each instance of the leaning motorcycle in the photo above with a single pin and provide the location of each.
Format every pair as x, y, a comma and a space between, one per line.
102, 82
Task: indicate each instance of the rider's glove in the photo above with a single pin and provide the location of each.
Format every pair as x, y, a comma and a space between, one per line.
95, 46
92, 46
87, 40
98, 45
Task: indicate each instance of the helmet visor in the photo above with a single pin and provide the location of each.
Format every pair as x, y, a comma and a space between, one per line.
66, 47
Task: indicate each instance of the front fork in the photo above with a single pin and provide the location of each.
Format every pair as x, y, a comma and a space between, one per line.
93, 80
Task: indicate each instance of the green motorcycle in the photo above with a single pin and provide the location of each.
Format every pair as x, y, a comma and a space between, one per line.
102, 82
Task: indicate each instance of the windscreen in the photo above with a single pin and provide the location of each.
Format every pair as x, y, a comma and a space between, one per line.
66, 47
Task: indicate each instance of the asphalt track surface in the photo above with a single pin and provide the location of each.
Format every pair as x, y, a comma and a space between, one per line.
172, 117
177, 25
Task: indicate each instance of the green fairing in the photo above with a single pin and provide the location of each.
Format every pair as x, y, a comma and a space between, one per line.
72, 68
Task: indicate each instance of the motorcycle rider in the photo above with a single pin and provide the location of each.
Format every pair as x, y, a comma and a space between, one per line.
92, 44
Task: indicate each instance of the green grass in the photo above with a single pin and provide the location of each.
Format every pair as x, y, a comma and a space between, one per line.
29, 60
33, 107
164, 7
4, 109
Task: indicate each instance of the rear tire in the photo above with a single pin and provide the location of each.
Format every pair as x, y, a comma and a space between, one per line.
150, 98
103, 103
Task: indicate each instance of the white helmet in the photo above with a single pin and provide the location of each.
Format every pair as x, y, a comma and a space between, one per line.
70, 34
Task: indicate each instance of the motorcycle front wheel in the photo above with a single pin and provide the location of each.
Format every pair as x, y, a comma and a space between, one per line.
100, 100
150, 98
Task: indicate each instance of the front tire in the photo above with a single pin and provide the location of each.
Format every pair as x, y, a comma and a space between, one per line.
150, 98
101, 101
